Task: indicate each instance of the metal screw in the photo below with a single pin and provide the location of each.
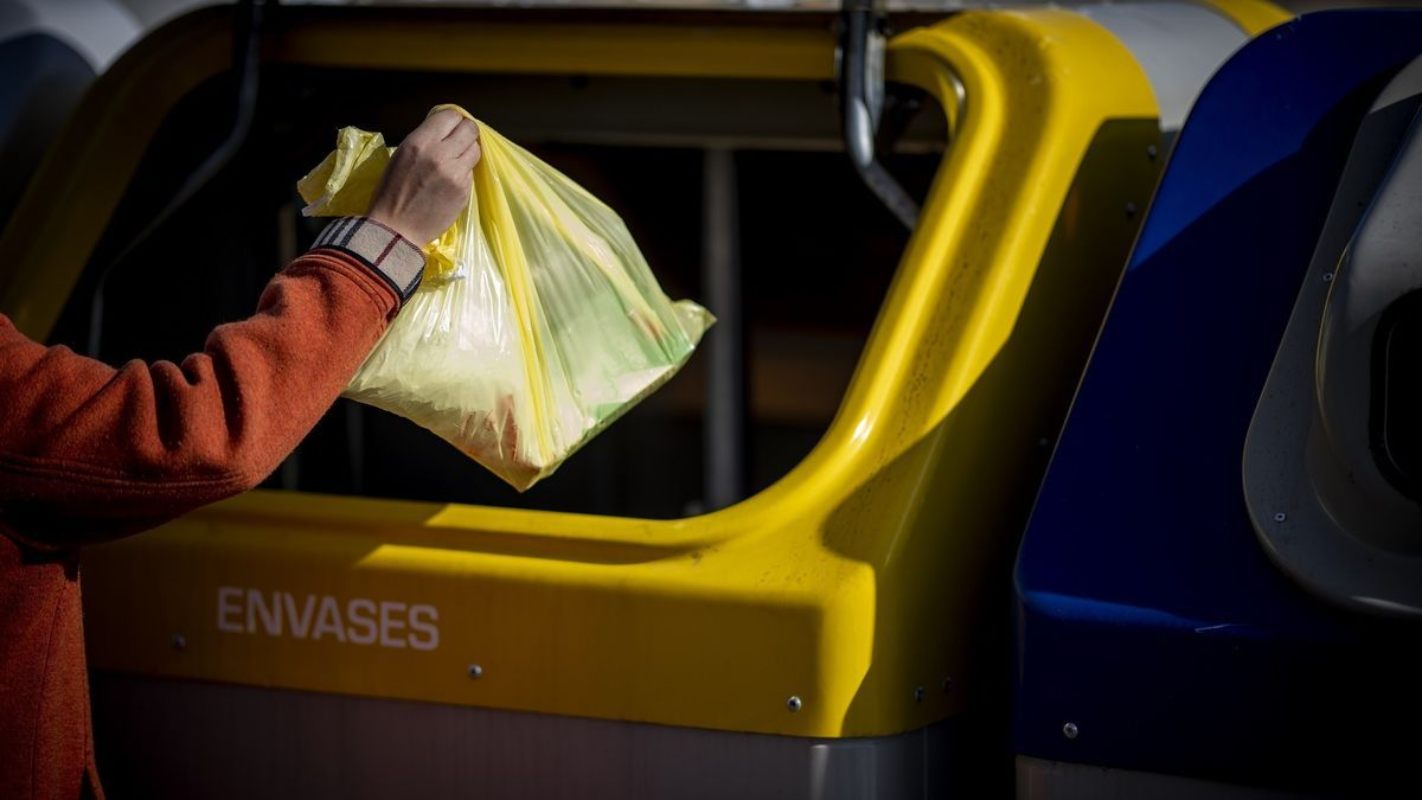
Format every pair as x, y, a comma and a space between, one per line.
1152, 152
1070, 731
947, 685
918, 694
1280, 516
1327, 277
1130, 210
794, 703
476, 671
180, 642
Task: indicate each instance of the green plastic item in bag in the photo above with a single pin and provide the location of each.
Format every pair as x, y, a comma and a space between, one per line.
537, 323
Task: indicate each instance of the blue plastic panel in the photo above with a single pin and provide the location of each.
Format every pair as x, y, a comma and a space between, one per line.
1148, 613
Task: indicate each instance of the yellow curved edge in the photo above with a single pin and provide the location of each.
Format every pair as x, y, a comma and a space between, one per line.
1252, 16
852, 583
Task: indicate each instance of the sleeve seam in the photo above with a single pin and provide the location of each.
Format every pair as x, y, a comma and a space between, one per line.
53, 469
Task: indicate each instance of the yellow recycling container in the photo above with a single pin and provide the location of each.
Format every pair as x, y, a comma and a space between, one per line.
844, 601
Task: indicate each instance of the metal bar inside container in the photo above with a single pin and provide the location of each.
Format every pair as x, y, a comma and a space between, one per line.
725, 345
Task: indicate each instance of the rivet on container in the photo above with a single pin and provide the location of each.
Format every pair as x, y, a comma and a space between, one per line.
1070, 731
476, 671
794, 703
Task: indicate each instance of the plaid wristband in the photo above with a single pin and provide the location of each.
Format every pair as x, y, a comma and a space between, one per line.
388, 254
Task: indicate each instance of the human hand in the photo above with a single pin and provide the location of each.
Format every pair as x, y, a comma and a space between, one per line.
427, 183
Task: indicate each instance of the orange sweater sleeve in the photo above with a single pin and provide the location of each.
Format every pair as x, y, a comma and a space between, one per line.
89, 452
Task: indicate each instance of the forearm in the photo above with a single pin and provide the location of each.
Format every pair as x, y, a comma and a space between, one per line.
114, 449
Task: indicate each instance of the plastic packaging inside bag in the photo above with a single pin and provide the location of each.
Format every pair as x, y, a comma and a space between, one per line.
537, 324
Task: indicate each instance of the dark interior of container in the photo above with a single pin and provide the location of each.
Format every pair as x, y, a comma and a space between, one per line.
816, 254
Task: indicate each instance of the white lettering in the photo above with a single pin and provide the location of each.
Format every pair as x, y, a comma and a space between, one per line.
361, 621
226, 608
389, 624
328, 620
257, 607
361, 614
300, 626
430, 640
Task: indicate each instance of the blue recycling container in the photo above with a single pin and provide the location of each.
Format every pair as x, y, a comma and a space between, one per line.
1156, 638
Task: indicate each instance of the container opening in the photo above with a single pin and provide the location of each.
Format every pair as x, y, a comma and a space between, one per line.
756, 165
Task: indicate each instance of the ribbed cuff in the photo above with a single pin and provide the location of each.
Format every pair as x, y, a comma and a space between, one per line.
388, 254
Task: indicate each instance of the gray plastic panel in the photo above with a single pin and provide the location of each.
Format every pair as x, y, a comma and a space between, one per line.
1319, 503
99, 30
1177, 44
161, 739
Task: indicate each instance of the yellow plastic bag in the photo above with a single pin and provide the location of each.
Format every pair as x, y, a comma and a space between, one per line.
537, 324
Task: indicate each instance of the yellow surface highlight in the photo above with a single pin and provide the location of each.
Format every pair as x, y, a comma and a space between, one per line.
1252, 16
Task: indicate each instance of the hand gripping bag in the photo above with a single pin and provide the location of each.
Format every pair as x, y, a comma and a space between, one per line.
537, 323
